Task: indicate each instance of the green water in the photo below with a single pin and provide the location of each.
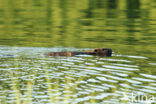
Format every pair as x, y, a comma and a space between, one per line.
31, 28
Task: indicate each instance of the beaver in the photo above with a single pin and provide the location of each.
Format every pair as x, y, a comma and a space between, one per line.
96, 52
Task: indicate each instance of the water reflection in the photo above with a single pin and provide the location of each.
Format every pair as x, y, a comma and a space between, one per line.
133, 9
100, 23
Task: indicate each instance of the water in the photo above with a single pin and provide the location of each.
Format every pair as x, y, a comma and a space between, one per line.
29, 29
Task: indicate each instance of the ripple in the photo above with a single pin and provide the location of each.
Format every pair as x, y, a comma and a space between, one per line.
82, 92
109, 86
83, 99
102, 96
92, 80
120, 60
138, 57
88, 63
143, 79
125, 65
102, 78
152, 63
114, 77
134, 82
98, 68
107, 80
86, 78
126, 86
120, 74
117, 67
149, 87
153, 84
147, 90
149, 76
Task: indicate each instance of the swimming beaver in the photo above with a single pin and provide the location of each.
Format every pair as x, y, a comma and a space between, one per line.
95, 52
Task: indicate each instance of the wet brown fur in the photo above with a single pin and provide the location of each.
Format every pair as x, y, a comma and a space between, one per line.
96, 52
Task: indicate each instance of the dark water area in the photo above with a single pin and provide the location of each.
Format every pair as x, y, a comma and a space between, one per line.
31, 28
